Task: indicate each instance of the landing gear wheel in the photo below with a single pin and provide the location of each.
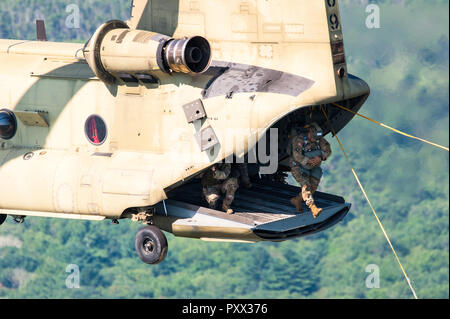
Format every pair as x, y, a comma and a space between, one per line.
151, 245
2, 218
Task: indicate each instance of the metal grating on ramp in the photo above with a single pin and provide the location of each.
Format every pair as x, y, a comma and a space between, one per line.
265, 202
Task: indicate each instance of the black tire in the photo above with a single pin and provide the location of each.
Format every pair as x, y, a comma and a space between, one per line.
2, 218
151, 245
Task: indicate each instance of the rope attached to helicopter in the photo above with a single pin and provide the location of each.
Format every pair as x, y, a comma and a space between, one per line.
391, 128
371, 207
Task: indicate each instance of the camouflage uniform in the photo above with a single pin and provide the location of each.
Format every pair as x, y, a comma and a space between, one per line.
306, 175
240, 172
219, 182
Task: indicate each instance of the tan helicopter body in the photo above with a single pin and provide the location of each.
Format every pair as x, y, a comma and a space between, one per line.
120, 127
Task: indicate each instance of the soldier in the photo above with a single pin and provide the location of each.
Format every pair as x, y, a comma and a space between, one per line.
308, 151
240, 172
217, 181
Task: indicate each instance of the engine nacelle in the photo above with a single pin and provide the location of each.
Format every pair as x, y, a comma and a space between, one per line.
115, 49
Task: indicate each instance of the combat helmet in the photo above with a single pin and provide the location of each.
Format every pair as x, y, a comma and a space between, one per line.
315, 129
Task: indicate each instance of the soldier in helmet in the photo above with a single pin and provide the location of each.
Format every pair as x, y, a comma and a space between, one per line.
309, 149
217, 181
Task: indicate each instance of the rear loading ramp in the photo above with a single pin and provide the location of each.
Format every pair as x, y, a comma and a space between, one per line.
262, 212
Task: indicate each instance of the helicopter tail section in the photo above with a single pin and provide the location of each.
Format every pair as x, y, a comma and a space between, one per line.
300, 37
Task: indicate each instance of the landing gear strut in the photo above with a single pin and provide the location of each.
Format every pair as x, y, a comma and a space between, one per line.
2, 218
19, 219
151, 245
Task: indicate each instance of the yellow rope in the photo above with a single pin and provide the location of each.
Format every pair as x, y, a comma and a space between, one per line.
371, 207
390, 128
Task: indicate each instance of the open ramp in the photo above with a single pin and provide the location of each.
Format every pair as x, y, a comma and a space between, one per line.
262, 212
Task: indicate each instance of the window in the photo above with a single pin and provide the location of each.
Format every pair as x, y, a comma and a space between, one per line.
8, 124
95, 130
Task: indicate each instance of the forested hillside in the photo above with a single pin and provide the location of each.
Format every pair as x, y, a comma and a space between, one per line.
405, 62
17, 18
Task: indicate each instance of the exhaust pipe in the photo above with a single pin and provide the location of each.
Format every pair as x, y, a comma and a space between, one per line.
114, 49
188, 55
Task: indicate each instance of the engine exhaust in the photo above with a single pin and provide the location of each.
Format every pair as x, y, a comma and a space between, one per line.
114, 49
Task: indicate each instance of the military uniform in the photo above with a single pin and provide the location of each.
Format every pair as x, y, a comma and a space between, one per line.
305, 173
240, 172
217, 182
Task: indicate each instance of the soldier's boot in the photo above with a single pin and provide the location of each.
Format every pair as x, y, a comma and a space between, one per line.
229, 188
297, 202
226, 205
226, 208
315, 210
308, 198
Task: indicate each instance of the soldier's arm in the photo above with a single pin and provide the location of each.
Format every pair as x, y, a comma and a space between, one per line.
297, 151
325, 147
222, 172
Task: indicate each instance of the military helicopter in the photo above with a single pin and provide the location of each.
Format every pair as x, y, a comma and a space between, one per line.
123, 125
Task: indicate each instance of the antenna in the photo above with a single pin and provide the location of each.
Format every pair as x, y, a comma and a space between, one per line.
41, 34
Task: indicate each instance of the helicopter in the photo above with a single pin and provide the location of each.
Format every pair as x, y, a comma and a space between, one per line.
123, 126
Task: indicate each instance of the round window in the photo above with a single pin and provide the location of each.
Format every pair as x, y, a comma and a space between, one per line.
95, 129
8, 124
